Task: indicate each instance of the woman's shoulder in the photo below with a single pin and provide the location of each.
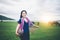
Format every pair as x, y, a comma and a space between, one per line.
19, 21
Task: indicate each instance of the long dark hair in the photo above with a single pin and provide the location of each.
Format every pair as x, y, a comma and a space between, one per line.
22, 12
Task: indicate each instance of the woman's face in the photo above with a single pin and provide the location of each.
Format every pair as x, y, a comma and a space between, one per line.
23, 14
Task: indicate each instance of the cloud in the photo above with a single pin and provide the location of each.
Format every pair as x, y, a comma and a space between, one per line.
13, 8
35, 8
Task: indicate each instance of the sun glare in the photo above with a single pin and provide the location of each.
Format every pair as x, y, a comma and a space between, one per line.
46, 18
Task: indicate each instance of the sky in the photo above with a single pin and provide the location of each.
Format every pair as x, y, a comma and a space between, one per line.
36, 9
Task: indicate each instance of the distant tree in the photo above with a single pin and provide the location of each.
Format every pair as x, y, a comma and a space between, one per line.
4, 18
55, 23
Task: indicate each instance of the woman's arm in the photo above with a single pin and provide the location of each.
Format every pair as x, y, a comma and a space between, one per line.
35, 26
17, 29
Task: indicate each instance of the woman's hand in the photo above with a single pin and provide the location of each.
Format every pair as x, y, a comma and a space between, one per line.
17, 29
17, 33
35, 26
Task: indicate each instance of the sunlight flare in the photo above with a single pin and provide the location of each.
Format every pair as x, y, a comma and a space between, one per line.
46, 18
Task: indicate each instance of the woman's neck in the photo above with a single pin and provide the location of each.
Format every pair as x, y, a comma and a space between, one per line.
23, 17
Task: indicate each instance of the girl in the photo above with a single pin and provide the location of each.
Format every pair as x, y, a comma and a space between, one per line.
25, 35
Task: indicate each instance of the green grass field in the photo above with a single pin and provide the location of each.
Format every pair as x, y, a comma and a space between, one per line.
7, 32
